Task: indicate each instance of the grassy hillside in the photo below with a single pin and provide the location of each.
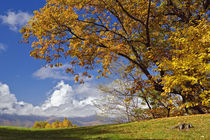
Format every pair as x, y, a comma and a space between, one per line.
151, 129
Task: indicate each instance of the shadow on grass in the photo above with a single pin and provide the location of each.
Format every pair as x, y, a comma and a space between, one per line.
95, 132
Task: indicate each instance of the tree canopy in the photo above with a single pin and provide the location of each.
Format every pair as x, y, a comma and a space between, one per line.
56, 124
165, 42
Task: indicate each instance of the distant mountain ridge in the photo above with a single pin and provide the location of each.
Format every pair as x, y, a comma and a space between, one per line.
28, 121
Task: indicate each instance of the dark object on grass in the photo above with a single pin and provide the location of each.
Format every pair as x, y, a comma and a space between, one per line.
183, 126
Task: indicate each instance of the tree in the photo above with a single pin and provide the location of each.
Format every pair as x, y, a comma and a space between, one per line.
40, 124
130, 99
55, 124
170, 37
48, 126
67, 123
116, 102
36, 125
61, 125
43, 123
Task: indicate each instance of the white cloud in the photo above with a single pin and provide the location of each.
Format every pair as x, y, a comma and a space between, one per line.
57, 73
7, 99
15, 19
64, 101
59, 96
2, 47
10, 105
71, 101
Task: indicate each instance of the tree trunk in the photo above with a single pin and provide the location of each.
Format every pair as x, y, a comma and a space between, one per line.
168, 113
198, 108
150, 108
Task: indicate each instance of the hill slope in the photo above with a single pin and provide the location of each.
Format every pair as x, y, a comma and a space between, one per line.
151, 129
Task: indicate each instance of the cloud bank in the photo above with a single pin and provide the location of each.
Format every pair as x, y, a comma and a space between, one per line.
64, 101
15, 20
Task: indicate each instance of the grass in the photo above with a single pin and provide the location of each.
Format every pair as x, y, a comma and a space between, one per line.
150, 129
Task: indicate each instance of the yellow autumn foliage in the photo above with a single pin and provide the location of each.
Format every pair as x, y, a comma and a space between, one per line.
170, 37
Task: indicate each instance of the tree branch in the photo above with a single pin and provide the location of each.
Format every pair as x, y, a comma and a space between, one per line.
128, 14
103, 26
147, 25
68, 28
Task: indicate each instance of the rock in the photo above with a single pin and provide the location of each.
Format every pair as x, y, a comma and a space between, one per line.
183, 126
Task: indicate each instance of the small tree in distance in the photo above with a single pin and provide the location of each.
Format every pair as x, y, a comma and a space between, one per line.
57, 124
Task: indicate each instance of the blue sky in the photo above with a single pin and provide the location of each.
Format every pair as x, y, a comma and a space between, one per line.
16, 65
27, 88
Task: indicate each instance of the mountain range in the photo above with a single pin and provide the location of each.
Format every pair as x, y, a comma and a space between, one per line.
28, 121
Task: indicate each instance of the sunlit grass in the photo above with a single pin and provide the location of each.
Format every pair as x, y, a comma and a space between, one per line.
151, 129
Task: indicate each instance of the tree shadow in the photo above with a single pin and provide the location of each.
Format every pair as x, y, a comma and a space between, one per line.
61, 134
